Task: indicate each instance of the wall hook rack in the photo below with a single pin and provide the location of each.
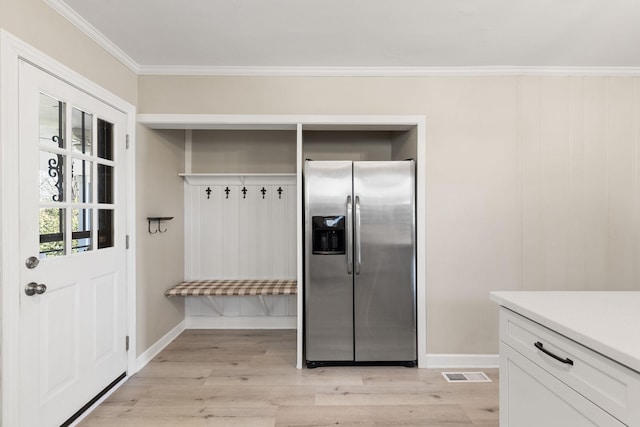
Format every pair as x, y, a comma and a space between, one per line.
159, 219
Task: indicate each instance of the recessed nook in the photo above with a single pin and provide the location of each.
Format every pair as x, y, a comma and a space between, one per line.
243, 203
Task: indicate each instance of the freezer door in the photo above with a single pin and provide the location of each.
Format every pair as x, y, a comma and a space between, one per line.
328, 287
385, 261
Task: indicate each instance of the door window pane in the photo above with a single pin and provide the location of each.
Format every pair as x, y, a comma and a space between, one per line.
105, 228
81, 125
51, 177
105, 140
105, 184
81, 171
52, 232
52, 121
81, 230
75, 172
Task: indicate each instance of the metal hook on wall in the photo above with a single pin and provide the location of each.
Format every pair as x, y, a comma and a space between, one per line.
159, 219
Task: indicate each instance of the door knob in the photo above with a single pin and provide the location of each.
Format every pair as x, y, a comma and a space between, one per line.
32, 262
35, 288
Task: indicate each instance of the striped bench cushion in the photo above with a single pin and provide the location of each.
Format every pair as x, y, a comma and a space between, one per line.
233, 287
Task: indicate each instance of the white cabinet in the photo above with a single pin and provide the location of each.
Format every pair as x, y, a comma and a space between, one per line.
531, 397
559, 382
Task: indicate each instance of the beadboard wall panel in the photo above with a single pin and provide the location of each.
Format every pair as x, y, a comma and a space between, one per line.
579, 176
236, 236
594, 242
232, 235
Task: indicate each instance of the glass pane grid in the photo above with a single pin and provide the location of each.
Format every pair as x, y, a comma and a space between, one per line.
52, 235
81, 181
81, 230
81, 131
105, 140
105, 228
52, 173
52, 121
83, 204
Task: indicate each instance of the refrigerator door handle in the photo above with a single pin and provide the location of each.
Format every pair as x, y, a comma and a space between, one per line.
349, 232
357, 237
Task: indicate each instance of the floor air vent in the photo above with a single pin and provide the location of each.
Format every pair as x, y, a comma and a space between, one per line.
466, 377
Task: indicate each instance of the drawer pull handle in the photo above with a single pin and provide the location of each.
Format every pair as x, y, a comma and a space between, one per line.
540, 347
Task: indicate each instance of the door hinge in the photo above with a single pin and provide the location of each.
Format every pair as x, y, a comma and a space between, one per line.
127, 242
126, 345
127, 141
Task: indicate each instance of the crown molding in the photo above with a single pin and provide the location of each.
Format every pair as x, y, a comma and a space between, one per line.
84, 26
473, 71
387, 71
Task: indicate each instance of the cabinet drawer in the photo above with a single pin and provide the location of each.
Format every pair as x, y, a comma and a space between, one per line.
608, 384
531, 397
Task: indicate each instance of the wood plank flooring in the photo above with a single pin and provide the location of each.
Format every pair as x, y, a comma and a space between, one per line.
248, 378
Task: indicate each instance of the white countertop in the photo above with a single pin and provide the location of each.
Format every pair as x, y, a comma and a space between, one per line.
606, 322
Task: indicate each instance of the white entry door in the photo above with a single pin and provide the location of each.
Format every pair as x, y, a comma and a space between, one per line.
72, 247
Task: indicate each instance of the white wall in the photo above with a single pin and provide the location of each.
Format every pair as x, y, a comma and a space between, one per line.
532, 182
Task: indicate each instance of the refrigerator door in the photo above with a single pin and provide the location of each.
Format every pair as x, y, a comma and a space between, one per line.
328, 289
384, 258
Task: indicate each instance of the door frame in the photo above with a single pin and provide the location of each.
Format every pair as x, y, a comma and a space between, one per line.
12, 50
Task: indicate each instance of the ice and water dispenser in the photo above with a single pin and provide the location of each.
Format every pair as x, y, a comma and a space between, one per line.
328, 235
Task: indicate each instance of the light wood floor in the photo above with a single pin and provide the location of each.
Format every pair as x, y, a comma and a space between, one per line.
248, 378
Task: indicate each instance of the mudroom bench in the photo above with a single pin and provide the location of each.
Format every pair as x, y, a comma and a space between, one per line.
249, 287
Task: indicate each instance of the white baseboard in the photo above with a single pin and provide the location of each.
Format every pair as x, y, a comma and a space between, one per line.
447, 361
241, 322
159, 345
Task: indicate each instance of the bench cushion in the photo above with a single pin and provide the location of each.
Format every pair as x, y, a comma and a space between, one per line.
233, 287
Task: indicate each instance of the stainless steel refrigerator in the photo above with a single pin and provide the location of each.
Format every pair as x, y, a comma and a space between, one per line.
360, 262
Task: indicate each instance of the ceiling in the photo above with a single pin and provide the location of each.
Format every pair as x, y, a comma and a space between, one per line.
361, 34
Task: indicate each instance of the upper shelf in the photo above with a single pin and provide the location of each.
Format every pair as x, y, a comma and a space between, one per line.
238, 178
278, 122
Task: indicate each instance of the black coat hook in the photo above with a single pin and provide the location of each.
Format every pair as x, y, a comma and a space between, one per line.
208, 191
263, 191
226, 190
280, 192
159, 219
244, 192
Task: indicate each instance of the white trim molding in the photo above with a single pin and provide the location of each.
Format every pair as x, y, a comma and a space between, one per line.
449, 361
473, 71
159, 345
95, 35
279, 121
9, 232
238, 178
241, 322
